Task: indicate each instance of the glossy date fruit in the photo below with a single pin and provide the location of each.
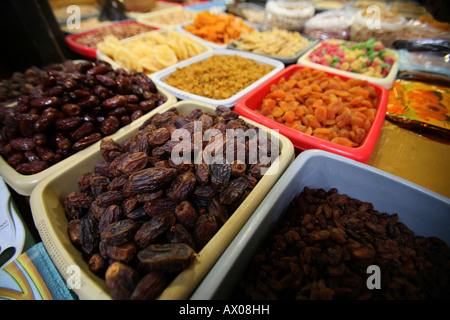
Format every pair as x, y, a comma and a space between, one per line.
71, 107
152, 214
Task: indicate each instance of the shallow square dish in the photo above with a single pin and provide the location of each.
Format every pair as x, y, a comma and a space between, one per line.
152, 18
88, 51
321, 169
159, 77
385, 82
249, 103
116, 65
286, 61
24, 184
48, 213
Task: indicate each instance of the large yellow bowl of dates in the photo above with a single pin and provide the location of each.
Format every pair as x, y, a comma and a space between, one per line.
49, 206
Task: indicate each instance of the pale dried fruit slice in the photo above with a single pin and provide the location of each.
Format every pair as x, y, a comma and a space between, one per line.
164, 56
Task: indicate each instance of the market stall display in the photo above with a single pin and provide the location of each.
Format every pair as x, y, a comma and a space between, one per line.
283, 45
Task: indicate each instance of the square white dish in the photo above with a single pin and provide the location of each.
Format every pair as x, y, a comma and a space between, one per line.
159, 77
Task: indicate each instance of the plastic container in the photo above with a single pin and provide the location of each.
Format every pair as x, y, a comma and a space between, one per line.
102, 56
324, 5
330, 24
167, 19
159, 76
249, 103
71, 40
287, 14
389, 28
320, 169
286, 61
24, 184
50, 220
385, 82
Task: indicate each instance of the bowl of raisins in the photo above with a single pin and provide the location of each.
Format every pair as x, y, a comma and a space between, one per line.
335, 228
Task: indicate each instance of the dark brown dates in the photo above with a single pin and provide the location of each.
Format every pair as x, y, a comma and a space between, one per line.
144, 211
167, 257
71, 106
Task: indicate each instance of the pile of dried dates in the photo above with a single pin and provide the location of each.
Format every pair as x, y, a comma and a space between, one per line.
323, 246
63, 108
140, 217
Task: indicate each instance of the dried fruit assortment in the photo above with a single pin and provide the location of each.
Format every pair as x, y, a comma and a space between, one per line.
323, 245
322, 106
64, 108
219, 76
140, 216
219, 29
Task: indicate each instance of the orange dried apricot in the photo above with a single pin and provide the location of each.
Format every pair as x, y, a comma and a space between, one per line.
327, 107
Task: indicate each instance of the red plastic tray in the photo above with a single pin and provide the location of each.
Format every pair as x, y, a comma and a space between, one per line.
91, 52
247, 105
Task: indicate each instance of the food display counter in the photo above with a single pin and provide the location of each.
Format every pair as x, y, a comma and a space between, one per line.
232, 150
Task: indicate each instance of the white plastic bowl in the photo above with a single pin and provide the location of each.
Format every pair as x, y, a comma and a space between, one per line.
159, 77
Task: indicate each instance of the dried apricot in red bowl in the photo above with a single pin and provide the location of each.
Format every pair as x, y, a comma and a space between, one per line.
320, 110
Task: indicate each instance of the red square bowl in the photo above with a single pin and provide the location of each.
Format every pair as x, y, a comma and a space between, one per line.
248, 104
71, 40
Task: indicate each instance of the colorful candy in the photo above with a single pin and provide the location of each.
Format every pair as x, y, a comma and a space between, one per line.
369, 58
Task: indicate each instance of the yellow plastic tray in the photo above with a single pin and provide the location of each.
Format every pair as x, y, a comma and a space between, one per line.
24, 184
48, 213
